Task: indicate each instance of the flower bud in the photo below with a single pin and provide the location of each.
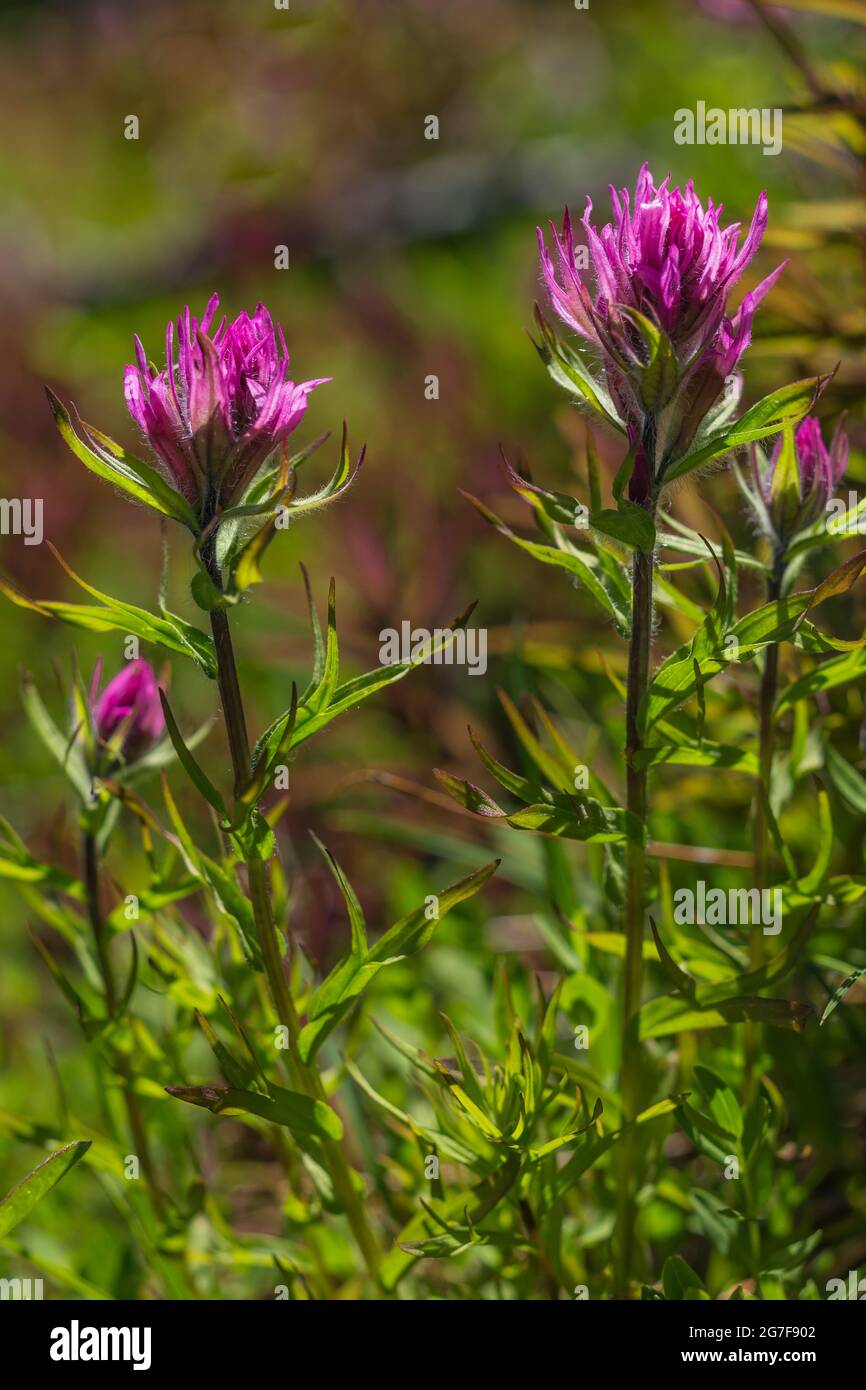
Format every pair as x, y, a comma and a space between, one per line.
127, 716
793, 486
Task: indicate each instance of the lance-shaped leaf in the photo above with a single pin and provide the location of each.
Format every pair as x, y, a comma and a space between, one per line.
557, 768
578, 818
836, 671
350, 898
353, 692
239, 1074
569, 371
680, 1282
521, 787
686, 541
90, 1025
468, 795
265, 767
769, 416
473, 1205
301, 1115
112, 615
580, 567
336, 994
18, 1203
847, 781
687, 754
199, 778
65, 750
553, 1189
320, 697
815, 879
771, 973
110, 461
674, 1014
220, 880
558, 507
840, 993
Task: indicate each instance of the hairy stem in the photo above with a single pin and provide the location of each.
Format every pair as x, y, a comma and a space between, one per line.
635, 855
307, 1078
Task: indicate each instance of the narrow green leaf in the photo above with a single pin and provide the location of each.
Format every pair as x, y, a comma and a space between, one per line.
20, 1201
188, 762
111, 462
769, 416
841, 992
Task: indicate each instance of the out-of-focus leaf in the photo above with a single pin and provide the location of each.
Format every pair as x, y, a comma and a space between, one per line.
848, 782
300, 1114
577, 818
18, 1203
667, 1014
840, 993
680, 1282
65, 750
836, 671
351, 976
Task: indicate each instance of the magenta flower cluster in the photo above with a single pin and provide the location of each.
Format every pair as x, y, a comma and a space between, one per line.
668, 258
220, 407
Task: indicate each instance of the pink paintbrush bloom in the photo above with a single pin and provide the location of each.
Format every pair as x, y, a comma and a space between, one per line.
220, 407
662, 270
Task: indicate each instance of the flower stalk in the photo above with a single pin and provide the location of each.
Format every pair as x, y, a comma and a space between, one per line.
306, 1077
90, 856
635, 907
766, 745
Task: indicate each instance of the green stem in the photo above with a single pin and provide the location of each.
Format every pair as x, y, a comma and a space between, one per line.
635, 854
766, 743
307, 1077
120, 1061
